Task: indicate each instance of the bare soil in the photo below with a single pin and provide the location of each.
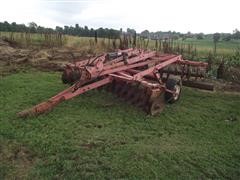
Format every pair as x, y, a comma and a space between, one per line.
17, 158
13, 58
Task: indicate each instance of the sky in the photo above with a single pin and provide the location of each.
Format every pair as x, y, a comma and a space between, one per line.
207, 16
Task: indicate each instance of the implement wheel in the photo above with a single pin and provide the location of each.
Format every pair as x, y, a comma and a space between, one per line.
157, 105
175, 86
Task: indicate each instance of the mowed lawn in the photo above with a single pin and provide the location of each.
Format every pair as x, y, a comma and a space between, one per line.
97, 135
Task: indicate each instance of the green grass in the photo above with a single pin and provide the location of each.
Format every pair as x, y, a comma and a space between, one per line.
96, 135
204, 46
87, 44
35, 39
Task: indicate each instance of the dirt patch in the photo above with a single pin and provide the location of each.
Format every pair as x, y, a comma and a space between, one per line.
221, 85
18, 159
54, 59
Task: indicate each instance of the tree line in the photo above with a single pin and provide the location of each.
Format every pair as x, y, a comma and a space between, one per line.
110, 33
69, 30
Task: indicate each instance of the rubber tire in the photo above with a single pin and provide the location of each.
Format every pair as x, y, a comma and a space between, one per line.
170, 84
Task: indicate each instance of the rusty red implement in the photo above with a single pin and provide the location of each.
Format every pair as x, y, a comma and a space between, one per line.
145, 78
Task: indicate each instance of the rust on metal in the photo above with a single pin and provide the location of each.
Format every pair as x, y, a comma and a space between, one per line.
144, 78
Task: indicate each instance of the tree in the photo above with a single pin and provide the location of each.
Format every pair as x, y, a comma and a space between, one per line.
227, 37
77, 30
32, 27
40, 29
189, 34
59, 29
216, 38
200, 36
22, 28
6, 26
66, 30
14, 27
131, 31
145, 34
236, 34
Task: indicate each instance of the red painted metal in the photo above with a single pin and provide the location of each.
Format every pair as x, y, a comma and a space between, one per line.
131, 65
86, 88
156, 68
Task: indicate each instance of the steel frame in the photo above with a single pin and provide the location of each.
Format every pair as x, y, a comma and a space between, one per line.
131, 65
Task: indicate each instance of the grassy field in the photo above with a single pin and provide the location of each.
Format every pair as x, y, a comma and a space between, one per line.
96, 135
203, 46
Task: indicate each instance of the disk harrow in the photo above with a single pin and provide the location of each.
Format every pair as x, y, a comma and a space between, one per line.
145, 79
